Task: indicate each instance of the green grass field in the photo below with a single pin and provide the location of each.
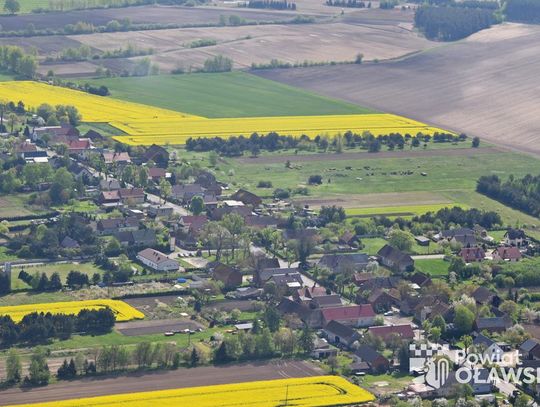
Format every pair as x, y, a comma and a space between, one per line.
49, 269
432, 267
15, 205
27, 5
232, 94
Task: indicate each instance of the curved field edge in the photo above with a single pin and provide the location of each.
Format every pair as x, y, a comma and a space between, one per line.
317, 391
122, 310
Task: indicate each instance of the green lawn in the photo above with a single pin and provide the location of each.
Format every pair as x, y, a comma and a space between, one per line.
33, 298
373, 245
386, 383
432, 267
16, 205
5, 256
402, 211
49, 269
232, 94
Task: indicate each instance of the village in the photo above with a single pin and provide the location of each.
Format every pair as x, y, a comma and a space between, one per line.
144, 217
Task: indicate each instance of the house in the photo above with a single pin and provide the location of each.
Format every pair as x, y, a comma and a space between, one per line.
229, 276
481, 383
322, 350
380, 283
155, 174
515, 237
395, 259
464, 240
493, 324
506, 253
261, 222
310, 293
135, 195
338, 263
311, 317
489, 348
94, 135
422, 240
452, 233
69, 243
420, 279
354, 315
247, 198
267, 263
141, 237
291, 281
377, 363
79, 147
260, 277
157, 154
109, 185
55, 133
185, 192
327, 301
530, 349
157, 260
484, 296
429, 307
159, 211
361, 278
114, 225
472, 254
340, 334
29, 152
111, 158
404, 331
383, 300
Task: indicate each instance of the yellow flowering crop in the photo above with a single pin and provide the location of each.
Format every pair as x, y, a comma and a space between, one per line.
92, 108
147, 125
322, 391
121, 310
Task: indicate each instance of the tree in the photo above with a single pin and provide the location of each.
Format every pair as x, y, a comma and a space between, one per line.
467, 342
271, 318
221, 355
164, 189
305, 340
234, 223
333, 364
196, 205
12, 6
463, 319
13, 367
195, 358
476, 142
401, 240
38, 372
55, 283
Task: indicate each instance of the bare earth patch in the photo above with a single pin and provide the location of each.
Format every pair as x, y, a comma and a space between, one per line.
486, 86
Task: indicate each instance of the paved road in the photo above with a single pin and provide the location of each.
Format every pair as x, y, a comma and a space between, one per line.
139, 382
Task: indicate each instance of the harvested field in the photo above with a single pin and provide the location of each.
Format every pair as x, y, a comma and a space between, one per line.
138, 15
134, 382
259, 44
136, 328
493, 94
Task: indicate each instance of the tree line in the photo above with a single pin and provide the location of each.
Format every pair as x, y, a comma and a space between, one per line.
348, 3
452, 23
519, 193
15, 60
272, 4
526, 11
238, 145
41, 327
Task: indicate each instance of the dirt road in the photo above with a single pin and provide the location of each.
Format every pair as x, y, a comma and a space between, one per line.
139, 382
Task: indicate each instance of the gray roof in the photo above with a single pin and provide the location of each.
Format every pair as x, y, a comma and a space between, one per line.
367, 353
343, 331
529, 345
336, 261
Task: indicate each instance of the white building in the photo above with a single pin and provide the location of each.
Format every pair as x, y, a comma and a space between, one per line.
157, 260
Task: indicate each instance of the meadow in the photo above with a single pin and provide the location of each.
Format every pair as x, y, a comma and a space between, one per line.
317, 391
122, 310
402, 211
432, 267
230, 94
62, 269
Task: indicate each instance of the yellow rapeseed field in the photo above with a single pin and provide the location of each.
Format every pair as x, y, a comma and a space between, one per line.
322, 391
145, 125
122, 310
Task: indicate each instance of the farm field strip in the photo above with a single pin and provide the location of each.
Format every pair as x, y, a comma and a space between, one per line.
122, 310
147, 125
317, 391
410, 210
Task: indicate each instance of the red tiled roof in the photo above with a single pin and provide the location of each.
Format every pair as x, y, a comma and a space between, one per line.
156, 172
349, 312
508, 253
81, 144
404, 331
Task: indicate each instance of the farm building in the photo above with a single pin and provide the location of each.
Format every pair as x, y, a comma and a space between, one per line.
157, 260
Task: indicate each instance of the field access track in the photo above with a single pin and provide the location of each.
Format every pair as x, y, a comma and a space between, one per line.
173, 379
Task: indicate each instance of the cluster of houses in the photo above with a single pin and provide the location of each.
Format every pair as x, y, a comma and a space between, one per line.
473, 244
